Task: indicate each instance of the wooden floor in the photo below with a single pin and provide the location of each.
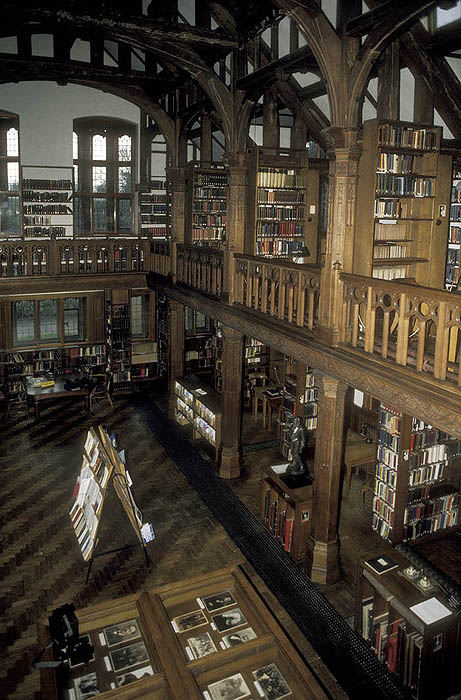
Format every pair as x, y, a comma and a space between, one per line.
40, 563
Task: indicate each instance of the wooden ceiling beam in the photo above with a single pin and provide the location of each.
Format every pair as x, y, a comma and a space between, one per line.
446, 39
310, 91
301, 59
387, 15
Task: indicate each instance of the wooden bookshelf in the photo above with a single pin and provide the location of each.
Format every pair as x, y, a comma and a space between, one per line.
454, 234
299, 398
286, 513
406, 180
425, 656
144, 360
285, 204
200, 406
413, 494
119, 343
153, 206
206, 215
199, 341
47, 201
185, 646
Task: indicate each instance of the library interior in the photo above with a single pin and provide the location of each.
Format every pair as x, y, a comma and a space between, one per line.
230, 340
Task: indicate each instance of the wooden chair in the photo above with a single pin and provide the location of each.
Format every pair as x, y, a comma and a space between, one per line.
102, 389
16, 398
256, 380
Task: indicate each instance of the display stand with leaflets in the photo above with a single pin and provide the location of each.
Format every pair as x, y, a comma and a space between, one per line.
101, 465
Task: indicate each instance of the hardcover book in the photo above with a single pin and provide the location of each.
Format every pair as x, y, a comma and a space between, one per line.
381, 564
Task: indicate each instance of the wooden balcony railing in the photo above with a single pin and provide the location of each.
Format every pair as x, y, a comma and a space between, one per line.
160, 257
72, 257
418, 327
283, 289
200, 268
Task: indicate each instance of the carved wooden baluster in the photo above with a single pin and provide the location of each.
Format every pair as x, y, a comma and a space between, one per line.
282, 297
303, 282
385, 338
402, 331
273, 293
441, 342
421, 332
370, 322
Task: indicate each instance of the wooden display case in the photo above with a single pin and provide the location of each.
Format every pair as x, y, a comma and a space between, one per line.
406, 180
286, 512
199, 405
425, 655
191, 638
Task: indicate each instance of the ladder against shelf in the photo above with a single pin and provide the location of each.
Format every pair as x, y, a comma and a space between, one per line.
206, 216
413, 494
47, 201
284, 198
403, 191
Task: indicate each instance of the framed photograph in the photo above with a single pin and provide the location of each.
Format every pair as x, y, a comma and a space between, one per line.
86, 686
129, 656
230, 688
230, 618
202, 645
239, 637
73, 659
218, 601
272, 683
189, 621
135, 675
122, 632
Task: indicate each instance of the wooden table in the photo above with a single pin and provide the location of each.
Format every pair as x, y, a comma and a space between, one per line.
57, 391
270, 404
358, 453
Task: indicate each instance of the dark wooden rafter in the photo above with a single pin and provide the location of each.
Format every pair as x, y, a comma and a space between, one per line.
388, 14
301, 59
310, 91
446, 39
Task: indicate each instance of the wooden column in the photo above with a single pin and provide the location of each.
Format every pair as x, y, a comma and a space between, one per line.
342, 194
176, 348
235, 229
322, 557
205, 141
423, 107
176, 177
389, 83
231, 421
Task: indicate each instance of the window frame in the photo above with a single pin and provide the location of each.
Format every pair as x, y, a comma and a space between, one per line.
61, 340
86, 128
10, 120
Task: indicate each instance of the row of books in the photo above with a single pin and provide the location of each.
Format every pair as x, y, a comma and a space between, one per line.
280, 212
407, 137
453, 256
210, 192
387, 474
209, 205
278, 518
391, 230
279, 228
219, 179
395, 163
407, 185
389, 440
432, 472
424, 434
280, 196
205, 413
385, 492
215, 233
381, 508
41, 209
431, 507
209, 220
280, 178
33, 196
205, 430
455, 195
429, 525
381, 526
391, 208
278, 247
390, 273
384, 252
39, 184
148, 199
156, 232
45, 231
426, 455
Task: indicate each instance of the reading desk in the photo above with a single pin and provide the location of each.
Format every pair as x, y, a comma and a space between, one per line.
56, 391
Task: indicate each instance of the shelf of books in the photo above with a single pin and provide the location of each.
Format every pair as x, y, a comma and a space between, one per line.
162, 334
454, 234
408, 622
299, 399
208, 205
402, 172
413, 495
200, 406
47, 201
144, 359
217, 343
59, 361
119, 345
285, 512
209, 637
154, 210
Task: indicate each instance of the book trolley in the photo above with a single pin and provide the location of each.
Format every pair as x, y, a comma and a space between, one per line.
199, 406
208, 637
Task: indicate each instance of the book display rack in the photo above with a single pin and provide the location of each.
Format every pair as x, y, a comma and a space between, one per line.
412, 631
286, 512
119, 345
209, 637
454, 234
144, 359
154, 211
413, 495
47, 193
201, 407
409, 178
207, 205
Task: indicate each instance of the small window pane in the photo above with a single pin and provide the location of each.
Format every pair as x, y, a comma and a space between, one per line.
103, 214
24, 322
139, 315
99, 147
99, 179
9, 214
124, 215
74, 319
75, 145
12, 142
76, 178
124, 179
82, 215
13, 176
48, 319
124, 147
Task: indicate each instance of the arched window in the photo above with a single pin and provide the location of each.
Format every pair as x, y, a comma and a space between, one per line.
9, 174
104, 176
